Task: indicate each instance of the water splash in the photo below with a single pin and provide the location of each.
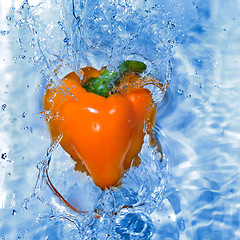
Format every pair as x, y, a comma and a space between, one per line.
87, 206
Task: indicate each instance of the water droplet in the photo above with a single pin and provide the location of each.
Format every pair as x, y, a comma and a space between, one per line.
39, 166
14, 212
25, 203
19, 42
8, 18
180, 91
66, 40
22, 56
3, 33
171, 25
4, 156
4, 106
24, 114
14, 120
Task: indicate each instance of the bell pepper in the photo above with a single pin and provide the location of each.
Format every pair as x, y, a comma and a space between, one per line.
102, 119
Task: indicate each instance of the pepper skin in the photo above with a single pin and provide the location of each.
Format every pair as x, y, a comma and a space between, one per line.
103, 135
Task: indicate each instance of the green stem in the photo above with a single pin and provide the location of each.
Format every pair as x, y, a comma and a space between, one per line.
131, 66
104, 83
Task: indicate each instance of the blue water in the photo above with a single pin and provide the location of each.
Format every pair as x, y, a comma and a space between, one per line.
193, 193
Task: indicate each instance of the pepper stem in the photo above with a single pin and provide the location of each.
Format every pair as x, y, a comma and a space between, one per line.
131, 66
104, 83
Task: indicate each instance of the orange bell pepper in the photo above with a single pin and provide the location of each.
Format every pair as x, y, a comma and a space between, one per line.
103, 134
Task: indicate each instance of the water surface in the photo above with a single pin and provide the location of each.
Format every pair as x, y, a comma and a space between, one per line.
193, 193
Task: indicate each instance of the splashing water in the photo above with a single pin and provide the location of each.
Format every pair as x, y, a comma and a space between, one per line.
193, 192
